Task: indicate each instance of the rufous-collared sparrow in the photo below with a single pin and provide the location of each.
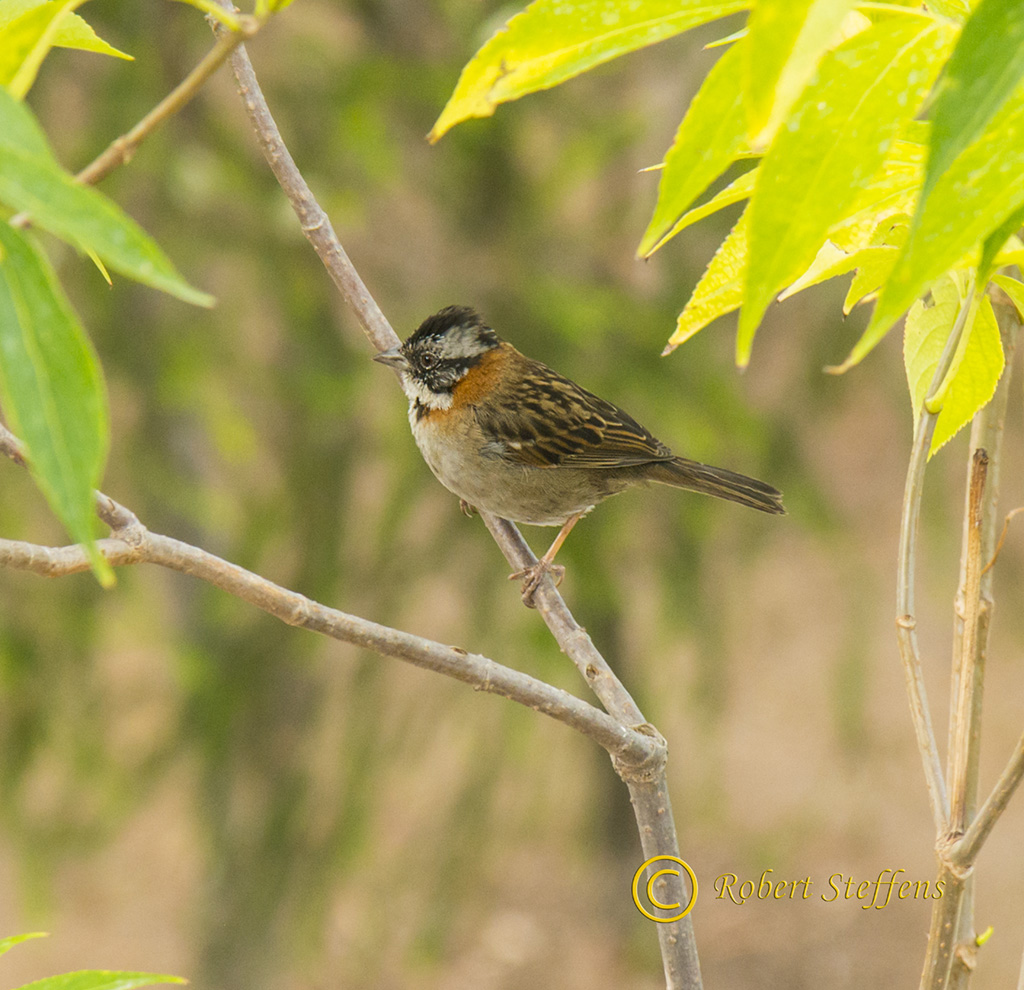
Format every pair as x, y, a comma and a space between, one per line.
512, 437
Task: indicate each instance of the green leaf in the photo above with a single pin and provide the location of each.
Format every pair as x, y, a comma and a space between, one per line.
1014, 289
30, 180
705, 145
100, 979
977, 364
719, 291
982, 73
994, 242
893, 190
19, 129
552, 41
835, 140
6, 944
25, 42
787, 40
732, 193
52, 389
72, 30
872, 262
974, 196
873, 269
957, 10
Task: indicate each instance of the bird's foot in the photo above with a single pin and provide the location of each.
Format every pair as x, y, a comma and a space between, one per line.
467, 509
532, 577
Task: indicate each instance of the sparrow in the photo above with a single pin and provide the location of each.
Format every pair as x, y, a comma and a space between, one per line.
511, 437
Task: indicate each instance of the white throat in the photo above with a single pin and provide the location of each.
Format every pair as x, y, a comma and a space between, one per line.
418, 392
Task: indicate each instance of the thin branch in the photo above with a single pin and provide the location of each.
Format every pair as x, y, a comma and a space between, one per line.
317, 227
987, 432
121, 150
952, 943
964, 852
648, 788
1010, 516
968, 659
132, 543
906, 621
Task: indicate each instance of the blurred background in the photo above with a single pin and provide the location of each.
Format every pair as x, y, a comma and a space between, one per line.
189, 786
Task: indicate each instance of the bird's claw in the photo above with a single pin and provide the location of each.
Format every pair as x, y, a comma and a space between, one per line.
532, 577
466, 508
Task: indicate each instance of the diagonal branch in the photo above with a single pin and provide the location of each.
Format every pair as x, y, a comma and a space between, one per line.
906, 621
648, 788
131, 543
317, 227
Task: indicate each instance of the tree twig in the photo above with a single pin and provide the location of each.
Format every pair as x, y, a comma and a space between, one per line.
122, 149
987, 432
132, 543
964, 852
962, 699
648, 788
906, 621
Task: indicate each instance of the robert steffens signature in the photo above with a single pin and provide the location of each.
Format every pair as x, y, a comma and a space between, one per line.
877, 893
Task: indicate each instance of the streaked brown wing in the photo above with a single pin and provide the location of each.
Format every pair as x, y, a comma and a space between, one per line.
545, 420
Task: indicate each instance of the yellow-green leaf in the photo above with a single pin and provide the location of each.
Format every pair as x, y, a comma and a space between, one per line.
732, 193
787, 40
1014, 289
705, 145
6, 944
552, 41
978, 363
837, 136
982, 73
25, 41
73, 31
970, 200
719, 291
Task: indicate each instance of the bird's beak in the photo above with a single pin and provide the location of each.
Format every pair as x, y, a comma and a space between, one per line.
393, 359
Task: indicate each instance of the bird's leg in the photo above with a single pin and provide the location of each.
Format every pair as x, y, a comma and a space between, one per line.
534, 574
467, 509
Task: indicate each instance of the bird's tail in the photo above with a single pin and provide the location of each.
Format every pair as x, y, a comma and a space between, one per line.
717, 482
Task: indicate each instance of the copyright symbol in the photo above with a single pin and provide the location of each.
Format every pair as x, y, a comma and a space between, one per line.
665, 870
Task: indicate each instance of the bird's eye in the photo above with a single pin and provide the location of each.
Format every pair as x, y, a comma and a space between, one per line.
428, 360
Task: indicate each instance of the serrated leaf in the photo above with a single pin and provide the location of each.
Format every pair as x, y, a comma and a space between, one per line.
974, 196
983, 72
99, 979
1014, 289
73, 31
892, 190
787, 40
735, 192
957, 10
704, 146
836, 138
52, 389
31, 181
873, 269
829, 262
978, 362
719, 290
25, 42
552, 41
6, 944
